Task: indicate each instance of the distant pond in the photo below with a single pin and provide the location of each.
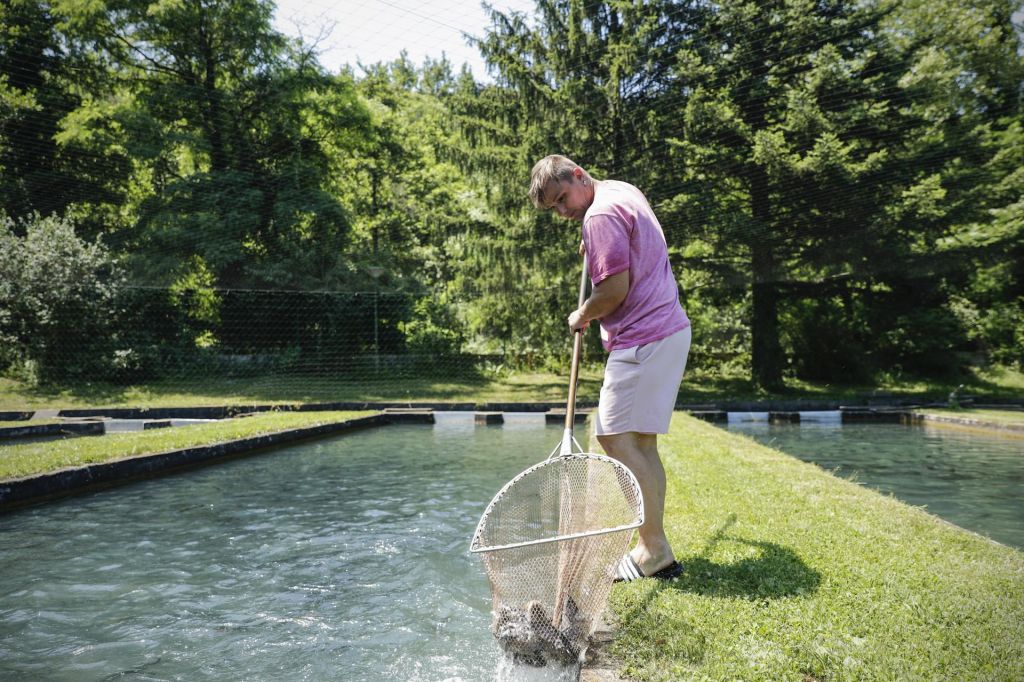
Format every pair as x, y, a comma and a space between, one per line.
969, 478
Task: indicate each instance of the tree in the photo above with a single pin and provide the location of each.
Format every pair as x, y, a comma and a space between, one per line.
788, 104
827, 152
231, 124
969, 69
584, 79
40, 79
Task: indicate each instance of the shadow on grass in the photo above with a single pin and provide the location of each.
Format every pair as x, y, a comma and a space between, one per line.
773, 572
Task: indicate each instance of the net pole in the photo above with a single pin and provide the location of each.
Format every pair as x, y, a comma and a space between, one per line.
566, 507
574, 369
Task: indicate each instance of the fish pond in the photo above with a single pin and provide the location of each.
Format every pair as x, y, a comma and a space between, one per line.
347, 558
339, 559
972, 478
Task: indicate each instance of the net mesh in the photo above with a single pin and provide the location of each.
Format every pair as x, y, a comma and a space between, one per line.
550, 540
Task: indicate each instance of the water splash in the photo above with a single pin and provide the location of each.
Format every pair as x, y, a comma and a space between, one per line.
507, 670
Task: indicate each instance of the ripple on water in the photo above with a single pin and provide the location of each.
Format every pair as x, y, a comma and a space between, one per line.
342, 559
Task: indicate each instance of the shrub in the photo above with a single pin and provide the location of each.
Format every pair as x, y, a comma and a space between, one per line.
57, 299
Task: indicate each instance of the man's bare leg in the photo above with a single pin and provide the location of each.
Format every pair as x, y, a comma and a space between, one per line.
639, 452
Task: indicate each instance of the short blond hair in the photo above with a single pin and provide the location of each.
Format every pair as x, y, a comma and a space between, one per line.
553, 168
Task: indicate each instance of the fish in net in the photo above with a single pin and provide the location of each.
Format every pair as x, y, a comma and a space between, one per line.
550, 540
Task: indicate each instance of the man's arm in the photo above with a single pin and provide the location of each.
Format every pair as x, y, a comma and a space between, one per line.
605, 298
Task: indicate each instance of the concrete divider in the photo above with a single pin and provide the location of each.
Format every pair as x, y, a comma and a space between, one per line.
880, 415
30, 490
557, 416
713, 416
1010, 429
403, 415
94, 428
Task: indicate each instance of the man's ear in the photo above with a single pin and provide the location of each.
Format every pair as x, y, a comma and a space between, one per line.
577, 173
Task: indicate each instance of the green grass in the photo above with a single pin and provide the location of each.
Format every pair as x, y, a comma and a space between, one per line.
277, 389
698, 387
18, 461
28, 422
794, 574
1009, 417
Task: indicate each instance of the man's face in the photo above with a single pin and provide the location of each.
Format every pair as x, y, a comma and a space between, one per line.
570, 198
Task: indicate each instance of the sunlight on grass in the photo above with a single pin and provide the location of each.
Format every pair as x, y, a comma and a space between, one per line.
28, 422
1004, 377
20, 460
547, 387
794, 574
1008, 417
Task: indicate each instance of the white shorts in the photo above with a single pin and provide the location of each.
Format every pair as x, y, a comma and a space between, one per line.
641, 384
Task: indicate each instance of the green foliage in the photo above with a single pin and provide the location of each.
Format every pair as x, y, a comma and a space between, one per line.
411, 206
192, 292
839, 183
828, 340
433, 330
58, 297
40, 79
990, 304
229, 123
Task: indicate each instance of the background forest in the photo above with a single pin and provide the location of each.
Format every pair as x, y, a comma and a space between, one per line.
185, 191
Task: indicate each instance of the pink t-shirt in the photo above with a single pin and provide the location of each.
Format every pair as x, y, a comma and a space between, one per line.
621, 232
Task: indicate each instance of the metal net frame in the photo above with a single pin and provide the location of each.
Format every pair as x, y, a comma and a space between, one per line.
550, 540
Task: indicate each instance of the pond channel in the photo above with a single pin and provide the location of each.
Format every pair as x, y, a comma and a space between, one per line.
346, 558
967, 477
340, 559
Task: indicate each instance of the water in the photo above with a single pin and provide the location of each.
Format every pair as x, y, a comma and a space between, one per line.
969, 478
341, 559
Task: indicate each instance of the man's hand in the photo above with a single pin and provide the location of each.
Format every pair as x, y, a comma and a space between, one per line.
608, 294
576, 321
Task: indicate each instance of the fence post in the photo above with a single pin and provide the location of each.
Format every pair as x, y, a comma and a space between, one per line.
375, 272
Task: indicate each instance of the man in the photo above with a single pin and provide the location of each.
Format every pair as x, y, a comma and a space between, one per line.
643, 328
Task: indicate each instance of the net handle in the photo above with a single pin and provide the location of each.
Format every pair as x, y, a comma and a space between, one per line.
577, 349
567, 439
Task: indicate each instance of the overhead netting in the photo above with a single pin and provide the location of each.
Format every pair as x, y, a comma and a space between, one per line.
550, 540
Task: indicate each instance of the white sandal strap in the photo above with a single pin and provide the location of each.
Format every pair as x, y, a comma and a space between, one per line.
627, 570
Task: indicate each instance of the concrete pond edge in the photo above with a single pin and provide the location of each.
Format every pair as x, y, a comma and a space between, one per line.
17, 493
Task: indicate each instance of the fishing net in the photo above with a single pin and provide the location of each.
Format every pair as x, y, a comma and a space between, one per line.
550, 540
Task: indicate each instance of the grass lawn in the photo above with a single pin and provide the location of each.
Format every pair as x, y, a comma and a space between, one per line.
794, 574
28, 422
279, 389
698, 387
18, 461
1008, 417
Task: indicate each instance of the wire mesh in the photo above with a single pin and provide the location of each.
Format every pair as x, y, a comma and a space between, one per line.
550, 540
